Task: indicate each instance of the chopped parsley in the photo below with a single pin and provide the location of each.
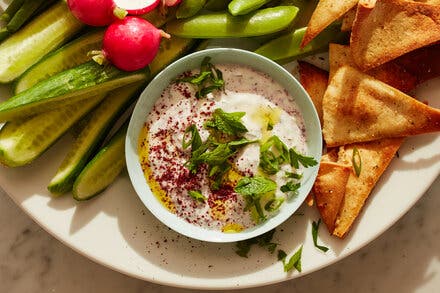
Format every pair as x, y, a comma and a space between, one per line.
264, 241
273, 153
290, 187
315, 228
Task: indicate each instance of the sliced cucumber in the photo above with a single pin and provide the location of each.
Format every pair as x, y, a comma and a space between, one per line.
93, 132
45, 33
23, 141
66, 87
103, 169
170, 50
68, 56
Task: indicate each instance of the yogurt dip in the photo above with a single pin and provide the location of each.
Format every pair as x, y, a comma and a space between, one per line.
269, 111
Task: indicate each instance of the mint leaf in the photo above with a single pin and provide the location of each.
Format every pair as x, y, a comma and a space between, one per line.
195, 141
273, 153
293, 175
296, 159
197, 195
251, 186
227, 123
315, 228
264, 241
290, 187
294, 261
274, 204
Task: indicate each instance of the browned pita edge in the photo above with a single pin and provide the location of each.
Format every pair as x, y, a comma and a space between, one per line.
392, 28
403, 73
314, 80
358, 108
348, 19
329, 190
375, 157
326, 12
434, 2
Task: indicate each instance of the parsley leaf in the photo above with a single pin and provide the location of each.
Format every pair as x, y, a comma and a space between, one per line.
264, 241
293, 175
197, 195
227, 123
294, 261
296, 159
315, 228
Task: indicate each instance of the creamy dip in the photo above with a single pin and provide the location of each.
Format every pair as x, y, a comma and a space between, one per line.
163, 158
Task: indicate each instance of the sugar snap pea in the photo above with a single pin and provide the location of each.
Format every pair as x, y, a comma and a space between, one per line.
189, 8
224, 25
241, 7
12, 8
216, 5
287, 47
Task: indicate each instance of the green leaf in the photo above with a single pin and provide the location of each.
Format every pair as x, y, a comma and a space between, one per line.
264, 241
293, 175
197, 195
281, 255
315, 228
290, 187
227, 123
296, 159
356, 161
294, 261
217, 156
195, 141
251, 186
273, 153
274, 204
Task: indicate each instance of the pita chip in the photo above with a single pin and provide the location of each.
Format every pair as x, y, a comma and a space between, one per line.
314, 80
326, 12
358, 108
348, 19
329, 191
390, 28
375, 156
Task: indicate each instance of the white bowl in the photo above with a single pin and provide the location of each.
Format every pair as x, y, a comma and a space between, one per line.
154, 90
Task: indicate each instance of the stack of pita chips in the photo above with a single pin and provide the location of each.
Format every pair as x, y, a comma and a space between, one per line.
363, 102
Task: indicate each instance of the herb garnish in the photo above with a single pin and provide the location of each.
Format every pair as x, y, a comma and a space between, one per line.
273, 153
356, 161
294, 261
195, 141
296, 159
197, 195
315, 228
227, 123
290, 187
293, 175
252, 189
264, 240
208, 80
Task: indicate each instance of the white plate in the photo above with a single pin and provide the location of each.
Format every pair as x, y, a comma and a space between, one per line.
117, 231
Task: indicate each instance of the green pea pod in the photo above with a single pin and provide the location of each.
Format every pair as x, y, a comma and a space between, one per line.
189, 8
217, 5
224, 25
13, 7
242, 7
287, 48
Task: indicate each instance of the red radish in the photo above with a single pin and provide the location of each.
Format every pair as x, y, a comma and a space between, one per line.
95, 12
131, 43
171, 3
137, 7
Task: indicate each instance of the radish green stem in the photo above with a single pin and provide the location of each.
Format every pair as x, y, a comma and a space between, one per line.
120, 13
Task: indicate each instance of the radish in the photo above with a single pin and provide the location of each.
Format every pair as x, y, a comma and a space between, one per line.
96, 12
171, 3
137, 7
130, 43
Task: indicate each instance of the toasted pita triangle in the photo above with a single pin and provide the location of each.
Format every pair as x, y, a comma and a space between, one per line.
329, 191
348, 19
392, 73
314, 81
392, 28
357, 108
326, 12
375, 157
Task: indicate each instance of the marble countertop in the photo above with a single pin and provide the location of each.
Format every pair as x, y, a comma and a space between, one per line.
406, 258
